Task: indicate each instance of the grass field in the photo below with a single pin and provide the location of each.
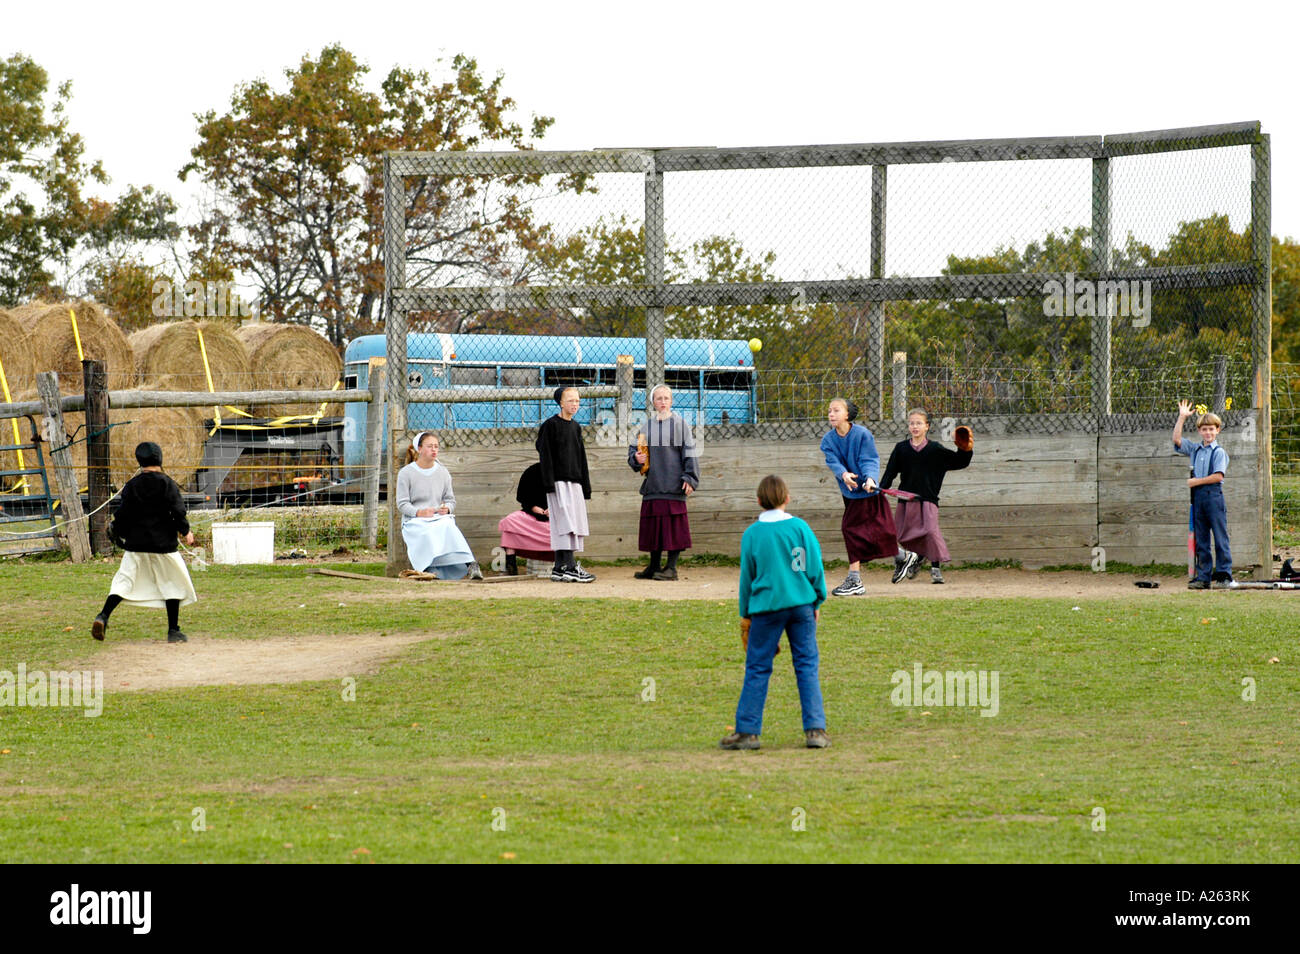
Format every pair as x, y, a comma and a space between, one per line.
532, 714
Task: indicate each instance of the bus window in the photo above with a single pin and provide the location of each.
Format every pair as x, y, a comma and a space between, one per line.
520, 378
461, 375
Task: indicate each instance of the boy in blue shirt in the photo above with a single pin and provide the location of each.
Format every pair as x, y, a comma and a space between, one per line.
782, 584
1209, 513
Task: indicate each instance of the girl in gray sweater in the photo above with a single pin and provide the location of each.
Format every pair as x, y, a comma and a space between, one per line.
427, 503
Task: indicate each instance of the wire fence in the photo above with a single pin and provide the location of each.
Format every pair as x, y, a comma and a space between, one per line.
1056, 283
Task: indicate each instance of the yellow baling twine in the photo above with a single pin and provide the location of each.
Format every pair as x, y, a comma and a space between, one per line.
76, 335
4, 385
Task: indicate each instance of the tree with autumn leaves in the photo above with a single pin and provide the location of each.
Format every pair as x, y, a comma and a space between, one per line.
52, 234
298, 177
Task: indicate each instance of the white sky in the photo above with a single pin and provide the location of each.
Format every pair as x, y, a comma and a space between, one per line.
669, 73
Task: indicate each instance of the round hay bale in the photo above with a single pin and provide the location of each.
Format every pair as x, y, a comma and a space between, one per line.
16, 357
168, 357
291, 357
178, 431
54, 348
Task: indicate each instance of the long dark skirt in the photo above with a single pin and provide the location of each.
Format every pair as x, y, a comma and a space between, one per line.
868, 529
664, 526
917, 523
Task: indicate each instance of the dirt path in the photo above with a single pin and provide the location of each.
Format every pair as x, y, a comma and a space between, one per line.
128, 667
720, 583
135, 666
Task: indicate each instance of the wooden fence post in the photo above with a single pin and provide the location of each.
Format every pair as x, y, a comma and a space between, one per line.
900, 385
373, 455
95, 378
47, 384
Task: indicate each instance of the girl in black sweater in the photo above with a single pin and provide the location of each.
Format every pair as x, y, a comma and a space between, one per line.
148, 521
922, 464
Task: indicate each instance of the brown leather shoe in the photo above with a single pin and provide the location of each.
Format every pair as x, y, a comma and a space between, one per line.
816, 739
739, 740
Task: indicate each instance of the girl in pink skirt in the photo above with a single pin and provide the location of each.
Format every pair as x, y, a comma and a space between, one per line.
527, 531
921, 464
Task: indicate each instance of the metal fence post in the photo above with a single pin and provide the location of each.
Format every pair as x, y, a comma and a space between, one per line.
876, 309
654, 270
395, 336
1101, 321
1261, 340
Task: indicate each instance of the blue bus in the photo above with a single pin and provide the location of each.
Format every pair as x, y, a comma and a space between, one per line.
712, 380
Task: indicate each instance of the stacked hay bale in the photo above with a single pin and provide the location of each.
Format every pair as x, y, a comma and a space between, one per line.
169, 357
16, 360
291, 357
53, 344
178, 431
15, 356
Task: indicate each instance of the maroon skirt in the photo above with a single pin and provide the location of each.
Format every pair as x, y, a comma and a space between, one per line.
868, 529
917, 522
664, 526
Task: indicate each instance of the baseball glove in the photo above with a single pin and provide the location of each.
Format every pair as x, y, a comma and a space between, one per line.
643, 448
963, 438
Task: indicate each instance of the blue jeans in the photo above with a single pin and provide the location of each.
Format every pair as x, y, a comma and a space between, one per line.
764, 636
1210, 515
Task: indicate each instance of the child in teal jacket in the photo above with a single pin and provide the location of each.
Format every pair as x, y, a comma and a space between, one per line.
782, 584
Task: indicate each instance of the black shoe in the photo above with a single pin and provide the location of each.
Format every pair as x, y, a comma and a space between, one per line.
666, 574
558, 575
99, 627
647, 574
176, 636
1198, 585
739, 740
512, 564
576, 574
907, 567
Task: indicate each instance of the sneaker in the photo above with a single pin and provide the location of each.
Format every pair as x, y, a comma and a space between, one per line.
176, 636
475, 573
666, 574
559, 575
739, 740
1197, 585
647, 574
816, 739
936, 576
907, 568
852, 586
99, 627
578, 575
1228, 584
916, 568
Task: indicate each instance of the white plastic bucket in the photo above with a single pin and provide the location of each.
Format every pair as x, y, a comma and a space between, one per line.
234, 543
